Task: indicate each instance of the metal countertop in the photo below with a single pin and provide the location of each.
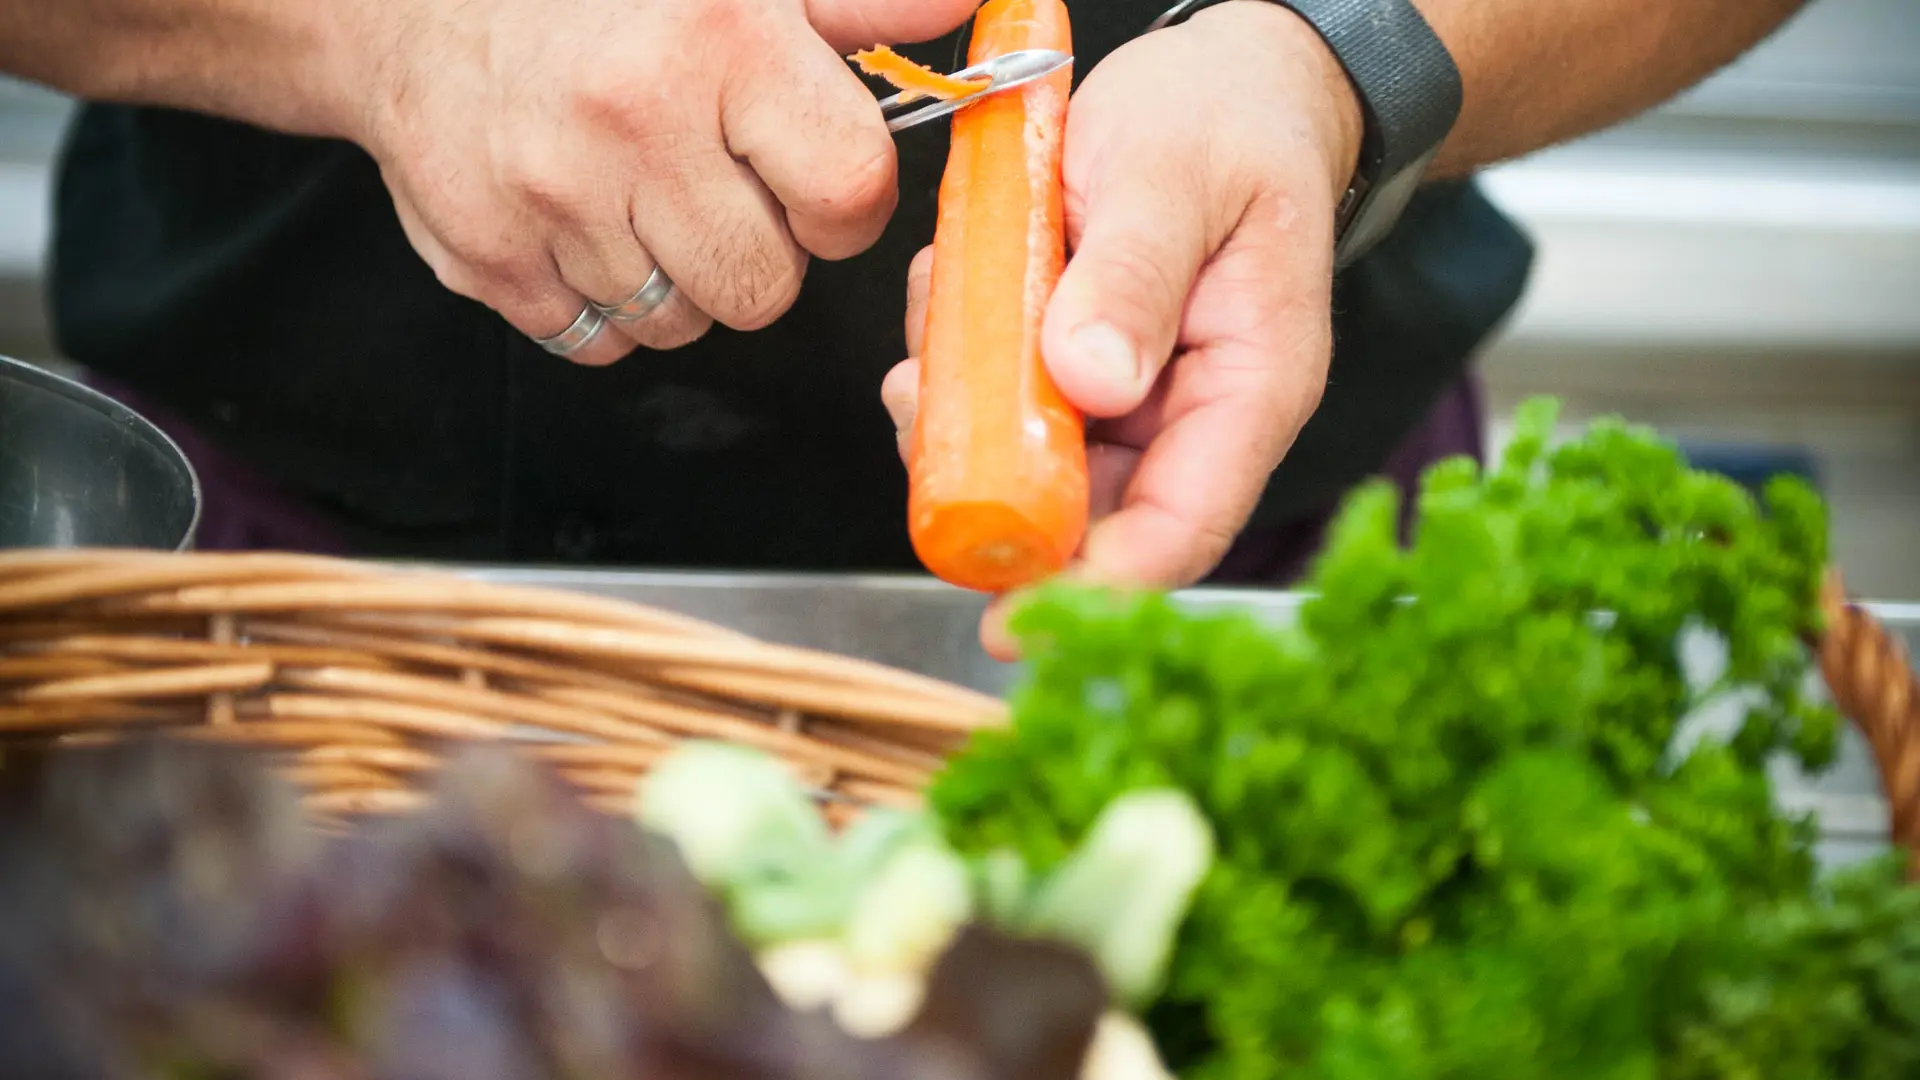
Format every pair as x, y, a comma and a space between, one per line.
921, 625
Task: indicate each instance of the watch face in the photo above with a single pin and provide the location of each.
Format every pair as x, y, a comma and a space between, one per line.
1350, 204
1379, 208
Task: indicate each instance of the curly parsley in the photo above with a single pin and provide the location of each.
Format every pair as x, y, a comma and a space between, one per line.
1455, 835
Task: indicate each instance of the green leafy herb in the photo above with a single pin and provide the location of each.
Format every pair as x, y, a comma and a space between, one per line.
1456, 834
1817, 988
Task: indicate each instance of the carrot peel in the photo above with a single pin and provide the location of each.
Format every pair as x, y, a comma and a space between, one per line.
914, 81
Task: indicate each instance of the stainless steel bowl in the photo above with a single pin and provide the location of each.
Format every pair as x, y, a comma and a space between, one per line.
78, 469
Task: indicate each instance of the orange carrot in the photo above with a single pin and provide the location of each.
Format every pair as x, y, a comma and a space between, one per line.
914, 81
998, 462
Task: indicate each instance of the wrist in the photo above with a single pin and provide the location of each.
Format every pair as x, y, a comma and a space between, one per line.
1335, 118
275, 66
351, 42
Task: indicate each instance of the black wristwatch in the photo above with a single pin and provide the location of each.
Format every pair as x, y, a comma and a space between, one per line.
1409, 93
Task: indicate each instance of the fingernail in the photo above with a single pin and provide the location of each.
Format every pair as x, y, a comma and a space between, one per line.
1108, 352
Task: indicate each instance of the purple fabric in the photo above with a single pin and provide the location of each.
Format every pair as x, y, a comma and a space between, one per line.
243, 511
1281, 554
240, 509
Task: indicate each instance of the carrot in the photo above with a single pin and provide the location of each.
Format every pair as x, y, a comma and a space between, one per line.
913, 80
997, 466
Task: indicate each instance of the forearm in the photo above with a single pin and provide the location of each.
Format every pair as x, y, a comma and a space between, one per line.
269, 62
1537, 72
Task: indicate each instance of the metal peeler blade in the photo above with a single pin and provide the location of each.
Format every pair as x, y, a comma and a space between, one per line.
1002, 72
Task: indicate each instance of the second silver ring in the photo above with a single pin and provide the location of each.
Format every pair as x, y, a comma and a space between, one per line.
643, 303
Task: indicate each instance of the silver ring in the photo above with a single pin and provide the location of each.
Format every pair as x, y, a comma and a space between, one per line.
585, 328
641, 304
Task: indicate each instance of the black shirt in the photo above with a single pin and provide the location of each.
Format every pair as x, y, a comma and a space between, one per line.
260, 285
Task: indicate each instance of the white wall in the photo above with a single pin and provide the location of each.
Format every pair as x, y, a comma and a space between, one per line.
1745, 266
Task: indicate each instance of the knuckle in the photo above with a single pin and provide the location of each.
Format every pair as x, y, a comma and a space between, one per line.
625, 103
1211, 542
758, 284
758, 304
456, 278
1073, 206
531, 177
1205, 539
472, 230
1314, 393
854, 192
516, 296
499, 264
449, 268
1142, 278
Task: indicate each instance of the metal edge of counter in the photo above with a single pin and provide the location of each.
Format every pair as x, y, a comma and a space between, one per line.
1902, 616
914, 621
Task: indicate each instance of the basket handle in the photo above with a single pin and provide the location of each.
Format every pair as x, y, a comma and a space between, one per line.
1873, 681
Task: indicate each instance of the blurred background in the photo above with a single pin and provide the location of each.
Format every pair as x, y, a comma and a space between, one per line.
1741, 268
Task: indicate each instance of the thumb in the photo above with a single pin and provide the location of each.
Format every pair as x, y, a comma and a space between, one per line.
1115, 316
855, 24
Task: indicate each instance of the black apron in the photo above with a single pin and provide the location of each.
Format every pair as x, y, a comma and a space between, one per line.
259, 286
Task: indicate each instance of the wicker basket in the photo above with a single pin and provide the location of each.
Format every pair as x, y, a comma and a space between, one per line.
359, 675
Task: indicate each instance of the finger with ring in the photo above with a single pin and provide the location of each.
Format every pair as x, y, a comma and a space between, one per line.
642, 303
586, 328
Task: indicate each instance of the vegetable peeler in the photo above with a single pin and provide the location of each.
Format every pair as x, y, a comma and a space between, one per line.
1006, 72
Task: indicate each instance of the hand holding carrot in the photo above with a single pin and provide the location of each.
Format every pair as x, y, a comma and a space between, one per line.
1193, 320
